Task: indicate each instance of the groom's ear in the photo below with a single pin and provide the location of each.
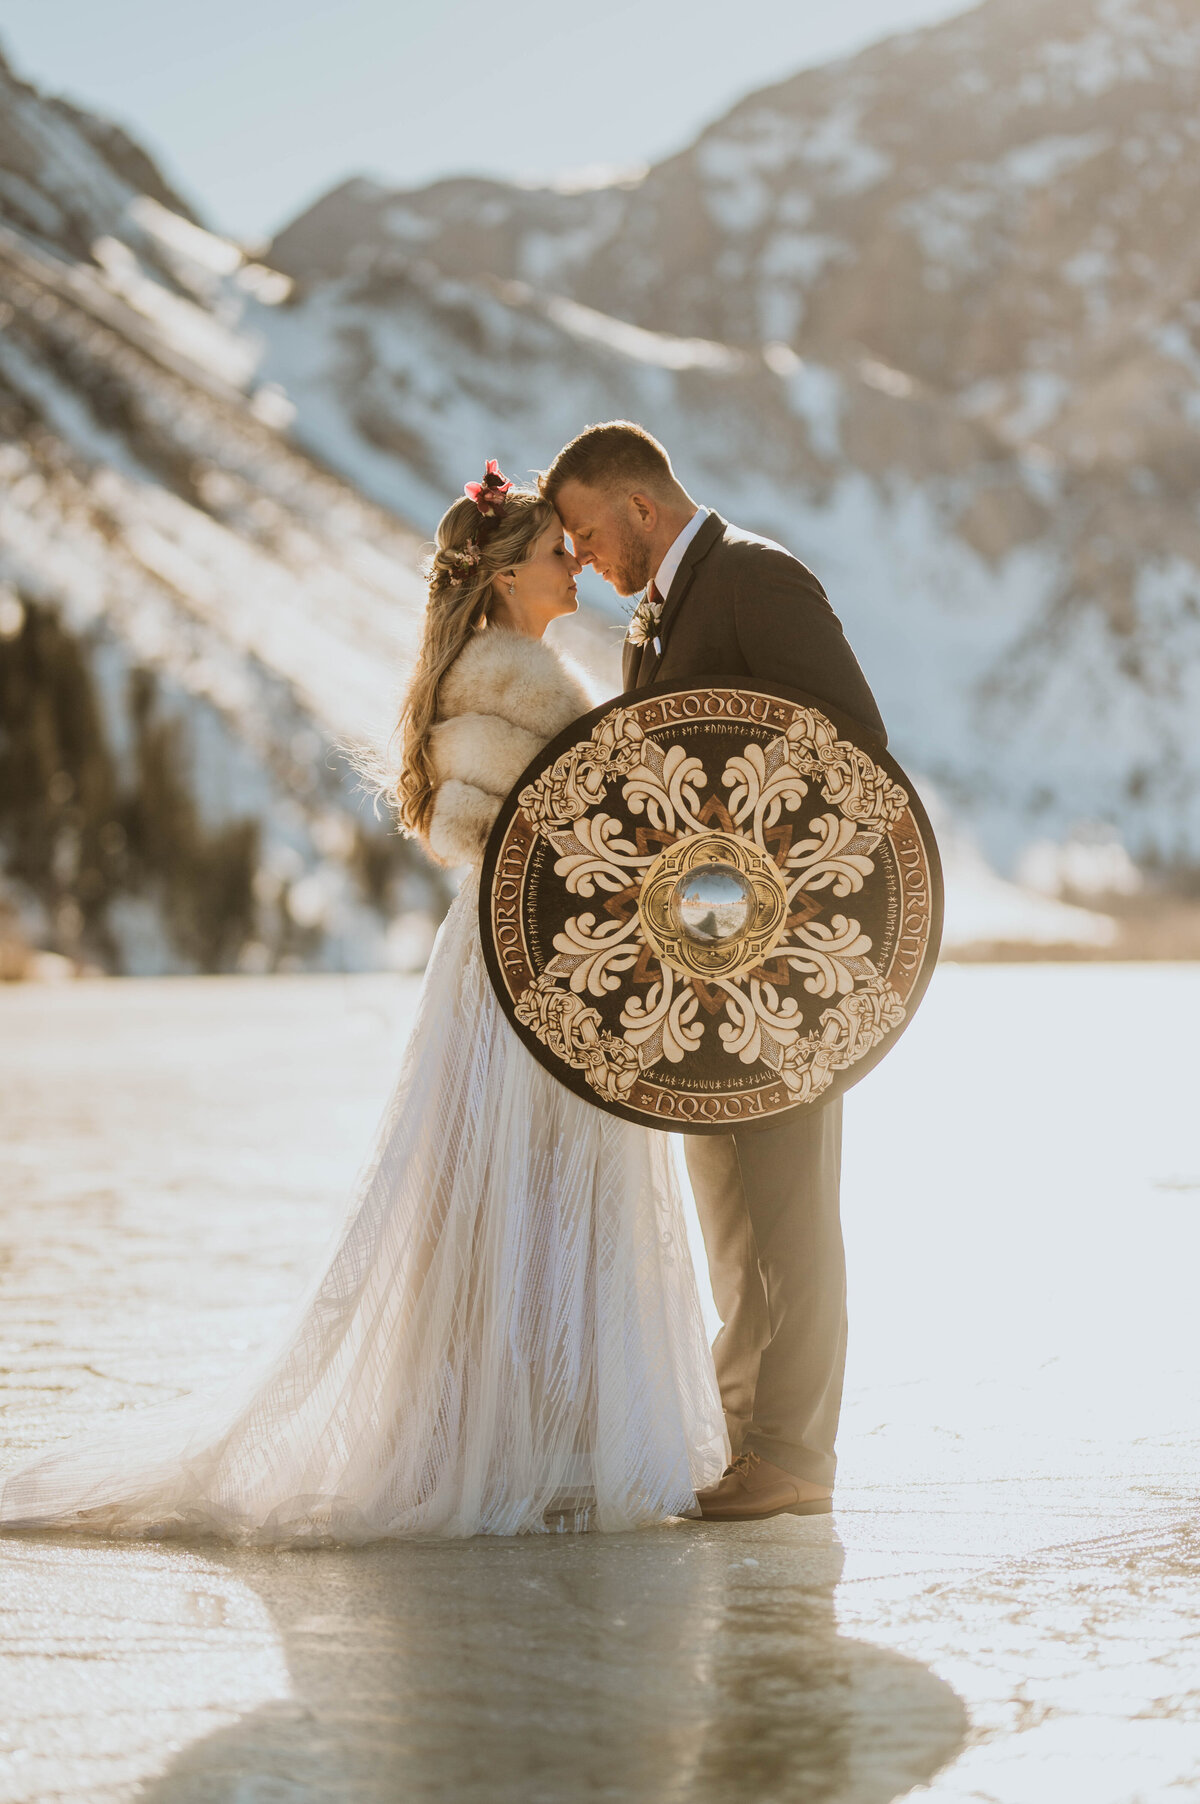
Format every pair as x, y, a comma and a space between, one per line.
644, 511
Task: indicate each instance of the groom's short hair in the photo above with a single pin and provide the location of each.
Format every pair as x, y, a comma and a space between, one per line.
616, 454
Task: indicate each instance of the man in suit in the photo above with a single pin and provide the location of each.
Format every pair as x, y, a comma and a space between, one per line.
723, 602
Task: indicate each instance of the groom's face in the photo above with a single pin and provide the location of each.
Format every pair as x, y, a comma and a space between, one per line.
610, 532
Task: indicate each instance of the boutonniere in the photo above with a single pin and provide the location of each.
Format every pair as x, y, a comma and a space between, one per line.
643, 622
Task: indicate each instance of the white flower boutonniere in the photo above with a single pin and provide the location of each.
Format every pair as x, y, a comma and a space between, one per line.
643, 622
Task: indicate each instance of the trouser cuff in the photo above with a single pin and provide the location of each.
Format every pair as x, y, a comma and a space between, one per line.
801, 1462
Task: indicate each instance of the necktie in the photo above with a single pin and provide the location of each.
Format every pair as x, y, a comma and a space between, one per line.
655, 600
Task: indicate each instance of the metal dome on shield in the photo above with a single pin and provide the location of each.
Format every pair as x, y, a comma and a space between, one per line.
713, 904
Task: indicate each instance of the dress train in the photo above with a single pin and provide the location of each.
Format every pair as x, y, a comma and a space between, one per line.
507, 1338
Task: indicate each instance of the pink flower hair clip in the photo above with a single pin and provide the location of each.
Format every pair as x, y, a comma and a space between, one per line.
491, 494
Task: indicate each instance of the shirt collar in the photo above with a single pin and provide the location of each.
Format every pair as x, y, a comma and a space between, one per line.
665, 575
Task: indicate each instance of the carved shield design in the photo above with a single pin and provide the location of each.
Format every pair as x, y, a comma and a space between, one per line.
702, 907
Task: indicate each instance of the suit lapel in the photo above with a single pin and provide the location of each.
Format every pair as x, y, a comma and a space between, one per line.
709, 534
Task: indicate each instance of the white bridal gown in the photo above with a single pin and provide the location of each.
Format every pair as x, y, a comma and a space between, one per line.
508, 1339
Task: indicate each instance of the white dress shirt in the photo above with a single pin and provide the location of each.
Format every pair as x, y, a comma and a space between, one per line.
665, 575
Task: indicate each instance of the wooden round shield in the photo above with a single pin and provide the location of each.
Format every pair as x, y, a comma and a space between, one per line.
704, 906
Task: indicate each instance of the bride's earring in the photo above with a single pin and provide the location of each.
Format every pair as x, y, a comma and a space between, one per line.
512, 588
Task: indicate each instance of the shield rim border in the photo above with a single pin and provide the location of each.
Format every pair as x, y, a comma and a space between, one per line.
580, 728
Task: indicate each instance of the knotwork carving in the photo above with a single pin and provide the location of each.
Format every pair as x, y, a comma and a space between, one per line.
577, 781
575, 1032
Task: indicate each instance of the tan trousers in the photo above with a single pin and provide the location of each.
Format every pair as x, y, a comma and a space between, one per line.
768, 1206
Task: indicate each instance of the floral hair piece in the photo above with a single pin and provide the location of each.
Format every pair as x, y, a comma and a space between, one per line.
490, 496
464, 559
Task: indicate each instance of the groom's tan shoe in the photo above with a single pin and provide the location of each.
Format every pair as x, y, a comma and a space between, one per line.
752, 1488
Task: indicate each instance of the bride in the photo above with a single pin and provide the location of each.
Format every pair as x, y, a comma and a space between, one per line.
508, 1338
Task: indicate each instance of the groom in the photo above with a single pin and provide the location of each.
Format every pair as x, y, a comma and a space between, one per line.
721, 602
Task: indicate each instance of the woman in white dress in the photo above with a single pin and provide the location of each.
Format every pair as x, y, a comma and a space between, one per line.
508, 1338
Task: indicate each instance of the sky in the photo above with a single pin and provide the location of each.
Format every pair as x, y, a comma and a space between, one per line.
256, 107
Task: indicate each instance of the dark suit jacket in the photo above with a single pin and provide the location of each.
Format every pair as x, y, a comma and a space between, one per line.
743, 606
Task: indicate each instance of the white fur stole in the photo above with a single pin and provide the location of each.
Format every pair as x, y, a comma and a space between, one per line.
504, 698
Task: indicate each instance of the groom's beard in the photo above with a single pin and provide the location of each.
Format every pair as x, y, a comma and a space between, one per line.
634, 564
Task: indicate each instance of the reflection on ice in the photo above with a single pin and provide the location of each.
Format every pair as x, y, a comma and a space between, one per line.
1015, 1502
677, 1663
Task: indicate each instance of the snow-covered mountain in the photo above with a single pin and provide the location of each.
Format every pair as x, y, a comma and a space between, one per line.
207, 583
192, 612
930, 315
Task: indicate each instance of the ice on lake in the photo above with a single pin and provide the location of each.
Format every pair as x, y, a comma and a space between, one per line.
1003, 1607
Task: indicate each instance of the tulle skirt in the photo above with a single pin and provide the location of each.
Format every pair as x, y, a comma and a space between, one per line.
507, 1339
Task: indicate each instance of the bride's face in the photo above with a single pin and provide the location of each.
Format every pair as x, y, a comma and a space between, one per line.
542, 588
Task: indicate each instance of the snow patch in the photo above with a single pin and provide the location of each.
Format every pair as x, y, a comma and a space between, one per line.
190, 242
817, 397
1042, 395
414, 228
885, 379
835, 146
595, 176
983, 909
636, 343
801, 256
1044, 160
945, 223
1087, 863
197, 334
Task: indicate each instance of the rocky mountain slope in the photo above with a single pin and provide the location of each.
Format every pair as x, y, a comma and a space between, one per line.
196, 611
193, 614
931, 315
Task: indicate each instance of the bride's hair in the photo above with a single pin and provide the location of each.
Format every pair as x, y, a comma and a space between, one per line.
470, 551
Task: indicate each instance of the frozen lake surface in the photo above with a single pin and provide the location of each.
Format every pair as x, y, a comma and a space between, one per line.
1004, 1607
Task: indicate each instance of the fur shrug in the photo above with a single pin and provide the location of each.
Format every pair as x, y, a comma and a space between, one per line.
504, 698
